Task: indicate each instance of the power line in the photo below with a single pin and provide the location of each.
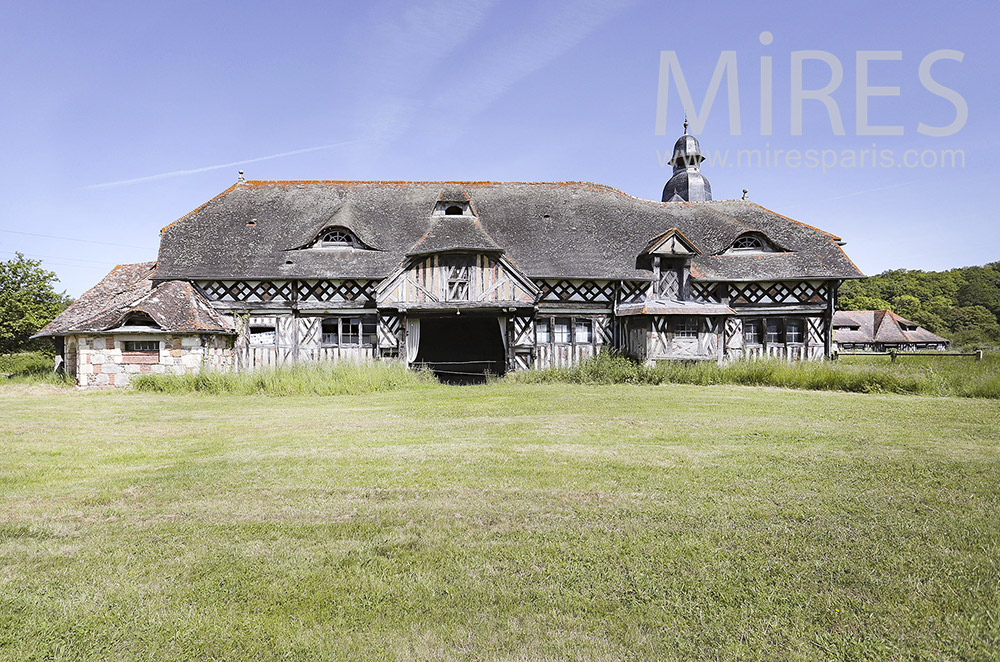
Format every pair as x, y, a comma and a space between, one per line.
76, 266
85, 241
54, 257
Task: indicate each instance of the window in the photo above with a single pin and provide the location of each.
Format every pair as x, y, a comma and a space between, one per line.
458, 280
330, 331
774, 331
348, 331
793, 331
140, 319
748, 242
261, 335
337, 236
451, 208
751, 332
686, 327
141, 346
583, 332
542, 334
560, 331
670, 283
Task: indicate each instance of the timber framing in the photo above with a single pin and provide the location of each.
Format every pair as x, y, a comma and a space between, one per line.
528, 274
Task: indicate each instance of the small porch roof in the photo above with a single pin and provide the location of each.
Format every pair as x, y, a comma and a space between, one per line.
674, 307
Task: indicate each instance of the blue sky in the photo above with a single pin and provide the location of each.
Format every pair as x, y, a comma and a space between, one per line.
121, 117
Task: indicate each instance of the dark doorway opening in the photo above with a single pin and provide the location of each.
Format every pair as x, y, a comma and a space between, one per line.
461, 349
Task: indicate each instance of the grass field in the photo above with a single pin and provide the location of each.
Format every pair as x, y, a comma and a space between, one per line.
506, 521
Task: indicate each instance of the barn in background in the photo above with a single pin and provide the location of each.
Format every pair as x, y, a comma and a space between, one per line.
882, 331
462, 277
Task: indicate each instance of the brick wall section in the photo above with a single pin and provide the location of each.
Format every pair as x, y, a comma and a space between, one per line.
100, 362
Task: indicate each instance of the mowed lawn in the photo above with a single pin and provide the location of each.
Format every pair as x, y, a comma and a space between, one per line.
507, 521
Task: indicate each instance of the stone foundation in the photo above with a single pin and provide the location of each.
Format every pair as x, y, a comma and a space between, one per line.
102, 361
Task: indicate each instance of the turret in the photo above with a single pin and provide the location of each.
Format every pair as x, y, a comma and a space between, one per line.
687, 183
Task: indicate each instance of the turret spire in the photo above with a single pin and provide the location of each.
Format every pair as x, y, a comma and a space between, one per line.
687, 183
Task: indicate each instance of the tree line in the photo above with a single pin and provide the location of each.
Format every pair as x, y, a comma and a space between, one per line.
28, 301
960, 304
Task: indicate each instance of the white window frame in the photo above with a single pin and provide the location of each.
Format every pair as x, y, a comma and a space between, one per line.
263, 337
134, 350
543, 329
799, 331
686, 327
780, 339
562, 330
351, 331
345, 238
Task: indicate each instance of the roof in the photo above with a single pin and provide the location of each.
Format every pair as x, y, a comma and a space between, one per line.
549, 229
454, 233
879, 326
674, 307
175, 306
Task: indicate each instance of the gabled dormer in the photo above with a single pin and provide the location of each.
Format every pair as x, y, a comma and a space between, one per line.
453, 202
671, 243
669, 257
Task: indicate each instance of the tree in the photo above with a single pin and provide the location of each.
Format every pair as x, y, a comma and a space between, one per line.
863, 302
906, 305
28, 302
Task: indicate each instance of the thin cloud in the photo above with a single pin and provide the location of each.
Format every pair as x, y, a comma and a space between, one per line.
871, 190
402, 56
194, 171
509, 60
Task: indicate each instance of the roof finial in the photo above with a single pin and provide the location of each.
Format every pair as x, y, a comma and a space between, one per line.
746, 194
240, 179
685, 124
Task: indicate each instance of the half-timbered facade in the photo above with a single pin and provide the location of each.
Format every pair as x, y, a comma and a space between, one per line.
474, 277
881, 331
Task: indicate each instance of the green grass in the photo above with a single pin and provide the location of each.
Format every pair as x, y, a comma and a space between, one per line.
941, 376
506, 521
303, 379
30, 368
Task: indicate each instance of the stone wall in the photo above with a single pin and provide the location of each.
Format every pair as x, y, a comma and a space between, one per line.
103, 360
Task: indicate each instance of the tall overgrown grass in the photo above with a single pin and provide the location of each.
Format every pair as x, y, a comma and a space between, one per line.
302, 379
965, 379
30, 368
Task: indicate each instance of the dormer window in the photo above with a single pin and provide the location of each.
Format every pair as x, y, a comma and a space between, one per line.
748, 243
337, 237
452, 208
139, 319
751, 242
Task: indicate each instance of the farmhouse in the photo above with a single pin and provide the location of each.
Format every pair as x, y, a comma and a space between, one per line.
463, 277
881, 331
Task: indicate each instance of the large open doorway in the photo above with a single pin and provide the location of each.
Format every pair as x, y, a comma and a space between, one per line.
462, 349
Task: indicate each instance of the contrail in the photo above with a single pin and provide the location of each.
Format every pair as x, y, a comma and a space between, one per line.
871, 190
179, 173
